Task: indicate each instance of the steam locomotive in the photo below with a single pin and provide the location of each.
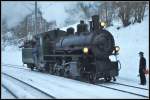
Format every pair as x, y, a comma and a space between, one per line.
82, 55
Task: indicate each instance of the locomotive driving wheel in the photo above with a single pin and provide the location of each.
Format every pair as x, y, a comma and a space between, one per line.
107, 78
30, 66
61, 72
47, 68
92, 78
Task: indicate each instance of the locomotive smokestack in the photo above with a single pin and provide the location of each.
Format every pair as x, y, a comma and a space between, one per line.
79, 27
95, 20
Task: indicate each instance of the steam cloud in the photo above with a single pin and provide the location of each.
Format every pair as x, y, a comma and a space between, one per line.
15, 11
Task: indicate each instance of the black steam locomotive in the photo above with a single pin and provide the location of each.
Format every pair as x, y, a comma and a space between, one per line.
80, 55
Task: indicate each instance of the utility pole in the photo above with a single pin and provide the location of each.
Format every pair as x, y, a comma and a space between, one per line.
35, 17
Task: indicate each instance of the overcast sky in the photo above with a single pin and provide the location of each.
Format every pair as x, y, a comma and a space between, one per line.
15, 11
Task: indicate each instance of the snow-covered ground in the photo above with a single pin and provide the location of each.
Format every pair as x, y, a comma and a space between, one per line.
131, 40
12, 55
60, 87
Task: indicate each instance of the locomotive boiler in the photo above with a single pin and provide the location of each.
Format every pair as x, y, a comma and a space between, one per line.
83, 54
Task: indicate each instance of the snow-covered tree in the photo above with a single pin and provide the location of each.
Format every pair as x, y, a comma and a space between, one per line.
4, 30
138, 10
106, 11
130, 10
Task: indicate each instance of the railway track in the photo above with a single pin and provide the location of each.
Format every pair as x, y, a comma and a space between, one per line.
10, 92
107, 86
121, 90
129, 85
15, 66
19, 67
27, 86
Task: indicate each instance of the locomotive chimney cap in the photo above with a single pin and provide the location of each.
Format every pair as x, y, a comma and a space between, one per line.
95, 16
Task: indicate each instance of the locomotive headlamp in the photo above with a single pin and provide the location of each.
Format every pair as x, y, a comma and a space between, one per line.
85, 50
117, 48
103, 24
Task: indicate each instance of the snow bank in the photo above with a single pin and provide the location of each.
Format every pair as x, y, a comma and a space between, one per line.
12, 55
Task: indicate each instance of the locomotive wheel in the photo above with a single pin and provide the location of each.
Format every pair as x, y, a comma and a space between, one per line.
114, 79
30, 66
67, 74
51, 69
57, 72
107, 79
47, 69
89, 77
61, 72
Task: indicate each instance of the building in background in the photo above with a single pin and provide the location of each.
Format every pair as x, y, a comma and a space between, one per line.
42, 24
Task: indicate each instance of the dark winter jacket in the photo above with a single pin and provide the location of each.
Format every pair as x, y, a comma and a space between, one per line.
142, 64
34, 51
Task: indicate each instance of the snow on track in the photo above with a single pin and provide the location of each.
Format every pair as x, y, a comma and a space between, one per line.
129, 85
17, 90
26, 87
132, 90
7, 93
126, 80
61, 87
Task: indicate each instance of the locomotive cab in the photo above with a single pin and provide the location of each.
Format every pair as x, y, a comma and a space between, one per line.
44, 46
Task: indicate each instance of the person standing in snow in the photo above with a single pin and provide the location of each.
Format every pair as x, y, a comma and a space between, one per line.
34, 51
142, 68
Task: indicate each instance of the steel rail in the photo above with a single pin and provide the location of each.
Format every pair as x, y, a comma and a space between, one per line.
30, 85
123, 91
